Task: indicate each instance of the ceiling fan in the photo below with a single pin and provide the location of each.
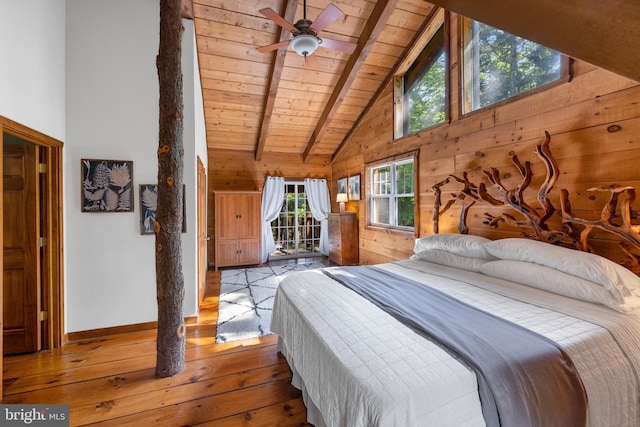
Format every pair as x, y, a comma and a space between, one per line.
305, 39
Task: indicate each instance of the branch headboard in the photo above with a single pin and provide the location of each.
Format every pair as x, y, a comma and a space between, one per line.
533, 222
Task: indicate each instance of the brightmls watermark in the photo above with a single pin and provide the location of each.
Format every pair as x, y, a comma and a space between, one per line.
34, 415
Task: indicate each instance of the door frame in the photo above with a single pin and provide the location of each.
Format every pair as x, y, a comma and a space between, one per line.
297, 226
201, 231
52, 258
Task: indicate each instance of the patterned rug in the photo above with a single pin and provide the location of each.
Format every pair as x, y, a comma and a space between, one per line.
246, 299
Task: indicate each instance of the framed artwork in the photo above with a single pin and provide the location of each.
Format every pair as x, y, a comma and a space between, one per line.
148, 208
106, 185
354, 187
342, 185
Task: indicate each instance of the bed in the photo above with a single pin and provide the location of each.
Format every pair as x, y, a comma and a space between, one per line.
357, 364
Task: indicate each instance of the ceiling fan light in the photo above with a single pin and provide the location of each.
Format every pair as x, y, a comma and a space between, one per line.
304, 44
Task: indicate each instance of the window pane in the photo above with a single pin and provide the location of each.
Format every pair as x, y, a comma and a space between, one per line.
424, 85
380, 214
426, 100
499, 65
382, 180
404, 178
406, 210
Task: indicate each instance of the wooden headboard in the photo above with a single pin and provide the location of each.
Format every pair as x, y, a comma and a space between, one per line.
616, 216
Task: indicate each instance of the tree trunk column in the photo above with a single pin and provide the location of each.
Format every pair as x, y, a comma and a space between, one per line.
171, 341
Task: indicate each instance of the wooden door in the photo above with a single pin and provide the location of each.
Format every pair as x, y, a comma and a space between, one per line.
21, 265
202, 231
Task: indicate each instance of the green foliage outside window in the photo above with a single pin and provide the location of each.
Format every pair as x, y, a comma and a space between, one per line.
499, 65
392, 197
426, 100
404, 185
425, 87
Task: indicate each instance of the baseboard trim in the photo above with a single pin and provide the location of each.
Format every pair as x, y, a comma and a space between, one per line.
125, 329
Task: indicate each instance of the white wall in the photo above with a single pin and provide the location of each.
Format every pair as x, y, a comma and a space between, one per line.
83, 72
112, 113
32, 47
195, 144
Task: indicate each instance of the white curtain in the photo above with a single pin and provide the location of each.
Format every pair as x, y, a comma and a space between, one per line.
320, 205
272, 199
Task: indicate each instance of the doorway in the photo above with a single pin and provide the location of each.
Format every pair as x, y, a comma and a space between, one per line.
32, 240
21, 278
295, 231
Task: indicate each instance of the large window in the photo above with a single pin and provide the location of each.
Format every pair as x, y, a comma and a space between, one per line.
391, 193
424, 87
499, 65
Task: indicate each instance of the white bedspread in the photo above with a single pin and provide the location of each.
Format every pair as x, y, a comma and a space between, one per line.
358, 366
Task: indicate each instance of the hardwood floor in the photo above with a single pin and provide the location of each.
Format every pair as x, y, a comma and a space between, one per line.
111, 381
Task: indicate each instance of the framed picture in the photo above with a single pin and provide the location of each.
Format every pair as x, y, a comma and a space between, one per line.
148, 208
342, 185
106, 185
354, 187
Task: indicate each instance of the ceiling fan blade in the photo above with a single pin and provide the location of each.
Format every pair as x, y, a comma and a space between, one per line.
271, 14
271, 47
345, 47
326, 17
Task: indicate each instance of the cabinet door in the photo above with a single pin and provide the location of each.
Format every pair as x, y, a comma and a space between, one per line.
249, 210
227, 216
249, 251
238, 215
227, 253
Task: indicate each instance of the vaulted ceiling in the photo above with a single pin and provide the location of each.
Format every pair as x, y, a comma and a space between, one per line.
280, 102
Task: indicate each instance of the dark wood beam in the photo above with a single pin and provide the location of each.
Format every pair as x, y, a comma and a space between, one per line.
370, 33
603, 33
288, 13
388, 79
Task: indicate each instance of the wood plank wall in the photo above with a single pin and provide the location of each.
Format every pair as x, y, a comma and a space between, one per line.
238, 170
594, 122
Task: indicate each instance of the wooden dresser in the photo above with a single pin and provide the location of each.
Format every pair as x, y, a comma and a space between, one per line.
237, 227
343, 238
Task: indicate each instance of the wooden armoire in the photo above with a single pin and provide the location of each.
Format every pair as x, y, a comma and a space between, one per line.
237, 227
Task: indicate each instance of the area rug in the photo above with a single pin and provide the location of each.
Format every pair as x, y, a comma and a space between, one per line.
246, 299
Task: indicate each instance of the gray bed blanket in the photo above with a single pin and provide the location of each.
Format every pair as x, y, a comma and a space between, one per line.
524, 379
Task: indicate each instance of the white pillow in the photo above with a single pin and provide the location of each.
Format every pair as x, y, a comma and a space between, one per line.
459, 244
551, 280
450, 259
619, 281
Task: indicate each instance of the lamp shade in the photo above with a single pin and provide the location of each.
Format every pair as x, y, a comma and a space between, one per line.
342, 197
304, 44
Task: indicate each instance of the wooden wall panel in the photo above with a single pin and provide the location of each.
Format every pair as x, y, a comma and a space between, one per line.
594, 121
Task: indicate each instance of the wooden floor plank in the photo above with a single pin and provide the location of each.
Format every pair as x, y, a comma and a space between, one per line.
110, 381
209, 408
289, 413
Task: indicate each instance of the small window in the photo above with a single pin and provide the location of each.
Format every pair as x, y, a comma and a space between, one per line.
391, 193
424, 87
499, 65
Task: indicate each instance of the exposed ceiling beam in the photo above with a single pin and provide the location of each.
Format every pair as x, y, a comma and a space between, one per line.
420, 35
371, 31
288, 13
603, 33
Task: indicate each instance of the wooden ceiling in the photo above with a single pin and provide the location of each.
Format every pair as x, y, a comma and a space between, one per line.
276, 103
